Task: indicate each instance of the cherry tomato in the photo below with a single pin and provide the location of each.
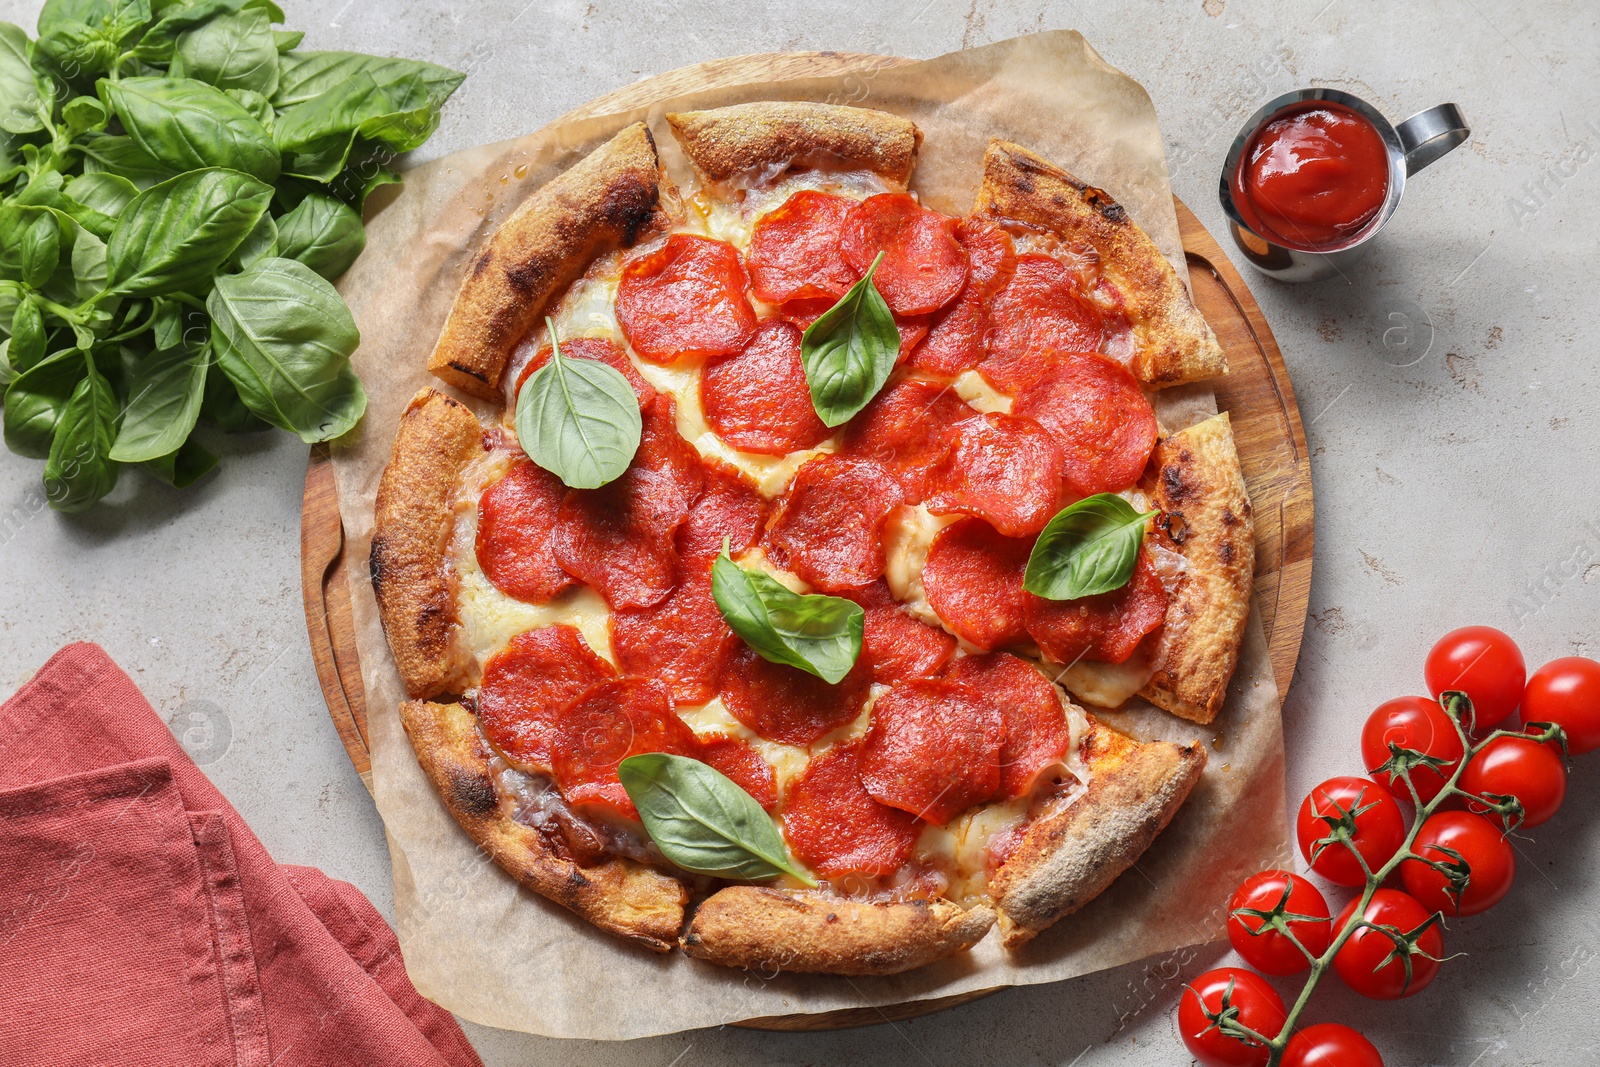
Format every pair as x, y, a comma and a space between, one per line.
1520, 767
1330, 1045
1364, 961
1482, 846
1483, 663
1416, 723
1379, 828
1271, 952
1567, 692
1260, 1009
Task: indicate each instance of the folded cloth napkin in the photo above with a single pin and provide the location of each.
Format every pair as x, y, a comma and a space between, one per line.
142, 923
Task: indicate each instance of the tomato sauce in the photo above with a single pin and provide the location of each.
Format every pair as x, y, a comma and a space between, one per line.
1313, 177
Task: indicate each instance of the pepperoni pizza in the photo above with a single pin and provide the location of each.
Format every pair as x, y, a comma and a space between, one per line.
946, 782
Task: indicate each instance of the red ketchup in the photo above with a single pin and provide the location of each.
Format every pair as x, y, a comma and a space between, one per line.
1313, 177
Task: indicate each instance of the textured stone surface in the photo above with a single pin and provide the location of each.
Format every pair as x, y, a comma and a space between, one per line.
1447, 387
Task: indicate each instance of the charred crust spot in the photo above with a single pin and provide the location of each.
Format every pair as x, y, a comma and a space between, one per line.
691, 940
629, 206
481, 263
1107, 208
1173, 484
832, 918
1225, 553
473, 793
375, 564
470, 372
1228, 517
524, 277
576, 882
1173, 524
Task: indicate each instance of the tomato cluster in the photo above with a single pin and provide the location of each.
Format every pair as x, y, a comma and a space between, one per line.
1469, 775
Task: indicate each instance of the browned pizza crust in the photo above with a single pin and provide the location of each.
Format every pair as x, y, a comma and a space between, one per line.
729, 141
616, 894
601, 203
771, 930
1199, 488
413, 522
1175, 344
1068, 858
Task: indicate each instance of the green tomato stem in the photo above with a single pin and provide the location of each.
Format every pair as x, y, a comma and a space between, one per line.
1319, 965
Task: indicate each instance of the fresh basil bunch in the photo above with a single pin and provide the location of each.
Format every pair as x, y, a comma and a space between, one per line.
178, 186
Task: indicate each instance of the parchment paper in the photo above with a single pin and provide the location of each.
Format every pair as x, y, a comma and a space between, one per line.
477, 943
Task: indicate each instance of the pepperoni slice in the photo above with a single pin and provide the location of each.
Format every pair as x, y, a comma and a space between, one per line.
1001, 468
527, 685
836, 827
912, 330
687, 299
955, 343
619, 537
743, 764
895, 646
923, 267
607, 724
794, 250
601, 350
906, 428
1100, 418
1035, 731
783, 703
933, 749
516, 525
1039, 315
759, 400
802, 313
973, 581
679, 640
1106, 628
827, 527
728, 507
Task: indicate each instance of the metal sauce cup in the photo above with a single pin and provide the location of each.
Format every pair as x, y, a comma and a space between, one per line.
1412, 145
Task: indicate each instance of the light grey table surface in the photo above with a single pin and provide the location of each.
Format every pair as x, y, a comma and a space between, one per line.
1447, 389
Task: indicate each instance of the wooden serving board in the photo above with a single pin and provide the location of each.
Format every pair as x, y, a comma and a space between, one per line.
1256, 393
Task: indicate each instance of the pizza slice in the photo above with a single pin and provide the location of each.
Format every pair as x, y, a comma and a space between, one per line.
943, 781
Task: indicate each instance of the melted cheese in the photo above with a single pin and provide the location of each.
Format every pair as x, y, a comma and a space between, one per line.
971, 387
906, 538
734, 219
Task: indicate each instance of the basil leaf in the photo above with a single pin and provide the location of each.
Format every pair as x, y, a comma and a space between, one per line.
224, 409
158, 43
820, 635
410, 83
75, 51
35, 400
261, 243
84, 113
849, 352
163, 404
56, 12
182, 468
187, 125
288, 40
80, 470
1089, 547
121, 157
19, 94
284, 337
103, 193
88, 264
578, 419
257, 105
231, 51
41, 250
322, 232
175, 235
702, 821
27, 336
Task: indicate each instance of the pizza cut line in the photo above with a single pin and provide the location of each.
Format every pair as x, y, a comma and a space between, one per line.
948, 783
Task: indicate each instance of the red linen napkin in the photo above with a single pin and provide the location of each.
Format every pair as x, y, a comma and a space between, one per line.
142, 923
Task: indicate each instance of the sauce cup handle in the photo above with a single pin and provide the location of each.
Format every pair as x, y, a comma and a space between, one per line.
1430, 134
